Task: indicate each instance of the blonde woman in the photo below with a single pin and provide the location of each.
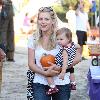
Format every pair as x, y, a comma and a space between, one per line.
44, 42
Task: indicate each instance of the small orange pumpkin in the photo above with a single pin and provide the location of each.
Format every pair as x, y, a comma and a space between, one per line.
47, 58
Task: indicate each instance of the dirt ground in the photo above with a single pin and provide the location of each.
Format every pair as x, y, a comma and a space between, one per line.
14, 78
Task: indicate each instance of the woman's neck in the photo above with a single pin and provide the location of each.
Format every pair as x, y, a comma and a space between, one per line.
46, 33
45, 39
46, 36
46, 42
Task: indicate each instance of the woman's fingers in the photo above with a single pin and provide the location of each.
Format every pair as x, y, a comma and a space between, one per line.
55, 67
51, 63
51, 72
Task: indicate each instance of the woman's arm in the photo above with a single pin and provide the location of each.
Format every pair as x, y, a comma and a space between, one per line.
35, 68
78, 57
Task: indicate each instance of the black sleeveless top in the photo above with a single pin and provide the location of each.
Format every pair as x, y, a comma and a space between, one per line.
71, 51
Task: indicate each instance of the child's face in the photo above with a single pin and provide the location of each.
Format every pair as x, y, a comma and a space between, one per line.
62, 40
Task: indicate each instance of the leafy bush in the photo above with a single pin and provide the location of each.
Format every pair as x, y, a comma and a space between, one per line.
61, 12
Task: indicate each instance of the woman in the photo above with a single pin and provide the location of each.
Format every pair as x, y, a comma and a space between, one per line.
44, 42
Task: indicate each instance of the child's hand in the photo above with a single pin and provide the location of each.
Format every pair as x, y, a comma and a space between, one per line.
61, 76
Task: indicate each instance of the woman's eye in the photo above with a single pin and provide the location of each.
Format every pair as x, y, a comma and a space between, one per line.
46, 19
40, 19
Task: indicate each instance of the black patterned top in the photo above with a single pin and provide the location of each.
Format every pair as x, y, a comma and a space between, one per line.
71, 55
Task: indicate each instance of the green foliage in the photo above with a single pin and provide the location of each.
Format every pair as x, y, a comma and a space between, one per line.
67, 2
97, 3
62, 8
59, 9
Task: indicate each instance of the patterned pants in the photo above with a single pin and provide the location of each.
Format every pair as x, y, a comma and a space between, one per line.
30, 76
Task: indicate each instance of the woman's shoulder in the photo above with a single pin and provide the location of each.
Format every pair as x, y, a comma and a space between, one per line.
31, 41
31, 37
76, 45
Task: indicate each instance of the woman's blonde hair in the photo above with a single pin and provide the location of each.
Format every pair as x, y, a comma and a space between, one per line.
38, 33
67, 32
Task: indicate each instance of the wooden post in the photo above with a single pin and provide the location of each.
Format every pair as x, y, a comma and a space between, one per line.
1, 65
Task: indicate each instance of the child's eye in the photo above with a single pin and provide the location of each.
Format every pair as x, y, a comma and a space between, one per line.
58, 39
61, 39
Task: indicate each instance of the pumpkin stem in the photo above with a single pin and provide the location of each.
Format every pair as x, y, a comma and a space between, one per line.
44, 54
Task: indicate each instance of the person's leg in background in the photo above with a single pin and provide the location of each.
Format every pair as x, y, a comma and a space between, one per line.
82, 38
10, 47
3, 41
10, 40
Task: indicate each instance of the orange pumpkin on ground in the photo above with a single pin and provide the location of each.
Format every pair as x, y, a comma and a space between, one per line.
47, 58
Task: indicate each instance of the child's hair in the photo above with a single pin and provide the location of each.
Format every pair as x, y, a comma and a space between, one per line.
67, 32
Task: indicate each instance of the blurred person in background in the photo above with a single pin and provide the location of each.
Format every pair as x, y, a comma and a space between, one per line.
26, 23
82, 25
71, 17
7, 28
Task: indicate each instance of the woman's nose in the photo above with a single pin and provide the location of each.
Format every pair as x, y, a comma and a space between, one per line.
43, 21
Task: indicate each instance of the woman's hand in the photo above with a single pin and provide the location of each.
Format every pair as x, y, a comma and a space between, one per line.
2, 54
51, 70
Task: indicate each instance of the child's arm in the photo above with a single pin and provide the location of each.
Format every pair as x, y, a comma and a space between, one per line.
65, 65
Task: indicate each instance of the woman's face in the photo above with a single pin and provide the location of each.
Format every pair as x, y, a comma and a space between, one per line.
62, 40
81, 6
45, 22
